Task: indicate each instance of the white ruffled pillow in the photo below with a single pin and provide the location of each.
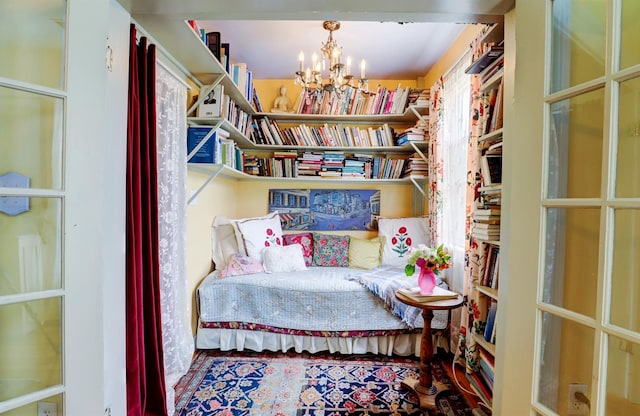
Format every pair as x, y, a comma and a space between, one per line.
283, 259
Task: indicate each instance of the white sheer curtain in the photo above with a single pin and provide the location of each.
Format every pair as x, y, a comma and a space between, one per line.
177, 337
456, 98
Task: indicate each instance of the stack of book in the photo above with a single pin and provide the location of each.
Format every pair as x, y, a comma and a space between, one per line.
419, 97
439, 293
486, 231
486, 223
332, 164
415, 166
309, 163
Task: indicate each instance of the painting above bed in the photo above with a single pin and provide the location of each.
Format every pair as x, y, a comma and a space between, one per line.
326, 209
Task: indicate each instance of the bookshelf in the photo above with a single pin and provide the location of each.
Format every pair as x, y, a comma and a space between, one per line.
488, 66
186, 51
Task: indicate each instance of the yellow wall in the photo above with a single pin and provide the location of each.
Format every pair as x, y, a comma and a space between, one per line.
453, 54
269, 89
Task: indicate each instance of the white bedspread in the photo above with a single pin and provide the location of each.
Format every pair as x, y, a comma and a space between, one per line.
318, 299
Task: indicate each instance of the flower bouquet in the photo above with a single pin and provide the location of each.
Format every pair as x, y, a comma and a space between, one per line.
430, 261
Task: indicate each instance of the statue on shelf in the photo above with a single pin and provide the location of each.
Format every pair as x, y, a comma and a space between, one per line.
282, 103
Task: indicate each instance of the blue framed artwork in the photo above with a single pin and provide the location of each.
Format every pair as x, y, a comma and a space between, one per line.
326, 209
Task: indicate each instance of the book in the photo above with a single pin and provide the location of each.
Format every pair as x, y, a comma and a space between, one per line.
438, 294
491, 169
489, 329
211, 106
213, 42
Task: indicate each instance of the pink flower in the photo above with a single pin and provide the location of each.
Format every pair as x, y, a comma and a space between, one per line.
408, 241
402, 230
267, 244
269, 231
394, 241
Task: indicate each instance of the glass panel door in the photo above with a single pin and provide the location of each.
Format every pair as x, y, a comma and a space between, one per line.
32, 99
588, 319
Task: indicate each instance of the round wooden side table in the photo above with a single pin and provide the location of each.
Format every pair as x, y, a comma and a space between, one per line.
425, 388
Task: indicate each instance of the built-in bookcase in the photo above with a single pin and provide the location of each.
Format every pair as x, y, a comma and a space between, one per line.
488, 65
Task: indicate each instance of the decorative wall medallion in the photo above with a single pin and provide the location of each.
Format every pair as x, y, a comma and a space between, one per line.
14, 205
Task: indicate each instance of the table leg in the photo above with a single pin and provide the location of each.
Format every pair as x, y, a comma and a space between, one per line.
424, 387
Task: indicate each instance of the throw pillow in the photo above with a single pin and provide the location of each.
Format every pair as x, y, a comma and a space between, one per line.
306, 241
283, 259
330, 250
365, 254
257, 233
223, 241
401, 234
239, 264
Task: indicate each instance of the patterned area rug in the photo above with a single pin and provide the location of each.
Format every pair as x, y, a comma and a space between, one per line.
276, 384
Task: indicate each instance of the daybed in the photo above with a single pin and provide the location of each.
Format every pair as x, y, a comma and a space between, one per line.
298, 295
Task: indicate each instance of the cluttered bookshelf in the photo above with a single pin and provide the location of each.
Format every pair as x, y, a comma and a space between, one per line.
488, 67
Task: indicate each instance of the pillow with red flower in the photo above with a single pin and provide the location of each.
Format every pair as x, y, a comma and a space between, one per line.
254, 234
401, 234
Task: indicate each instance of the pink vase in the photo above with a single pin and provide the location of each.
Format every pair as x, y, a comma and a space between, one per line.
426, 281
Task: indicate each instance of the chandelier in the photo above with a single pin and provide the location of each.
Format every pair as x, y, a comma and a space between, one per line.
337, 75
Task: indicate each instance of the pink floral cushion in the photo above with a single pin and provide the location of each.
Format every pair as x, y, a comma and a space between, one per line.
330, 250
239, 264
306, 241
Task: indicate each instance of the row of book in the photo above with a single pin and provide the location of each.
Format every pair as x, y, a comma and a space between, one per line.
324, 164
267, 131
491, 270
490, 326
214, 147
241, 75
482, 380
354, 101
491, 110
218, 104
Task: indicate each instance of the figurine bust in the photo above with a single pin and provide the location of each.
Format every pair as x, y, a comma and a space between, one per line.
282, 103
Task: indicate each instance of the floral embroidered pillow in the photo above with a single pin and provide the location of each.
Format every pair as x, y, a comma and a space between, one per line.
254, 234
330, 250
306, 241
239, 264
400, 234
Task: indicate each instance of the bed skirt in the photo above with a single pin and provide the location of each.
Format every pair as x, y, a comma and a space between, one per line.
241, 339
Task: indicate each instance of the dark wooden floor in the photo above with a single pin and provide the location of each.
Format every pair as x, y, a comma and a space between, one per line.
462, 382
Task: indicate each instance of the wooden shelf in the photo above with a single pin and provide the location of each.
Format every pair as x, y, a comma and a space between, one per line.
493, 81
491, 348
180, 40
408, 116
485, 60
226, 171
492, 293
491, 136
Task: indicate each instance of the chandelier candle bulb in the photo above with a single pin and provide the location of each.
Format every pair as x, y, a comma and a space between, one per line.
348, 65
363, 65
301, 60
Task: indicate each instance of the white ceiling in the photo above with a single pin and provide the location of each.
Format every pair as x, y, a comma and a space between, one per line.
269, 34
391, 50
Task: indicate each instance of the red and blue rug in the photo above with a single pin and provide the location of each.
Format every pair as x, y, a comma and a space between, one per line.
263, 384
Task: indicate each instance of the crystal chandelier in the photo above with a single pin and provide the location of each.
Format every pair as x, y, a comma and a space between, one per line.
337, 74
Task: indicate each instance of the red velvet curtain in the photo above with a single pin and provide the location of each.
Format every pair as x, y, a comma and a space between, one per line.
146, 394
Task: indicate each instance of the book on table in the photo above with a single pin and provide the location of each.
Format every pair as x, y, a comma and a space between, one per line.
438, 294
